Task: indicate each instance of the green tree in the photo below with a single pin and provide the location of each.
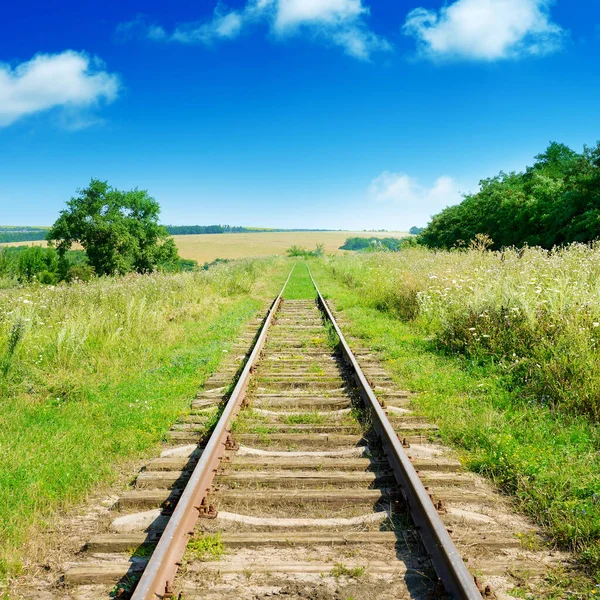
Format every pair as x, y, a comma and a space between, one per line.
118, 230
39, 262
556, 201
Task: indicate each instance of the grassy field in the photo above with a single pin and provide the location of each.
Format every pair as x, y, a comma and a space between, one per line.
502, 348
300, 286
206, 248
93, 375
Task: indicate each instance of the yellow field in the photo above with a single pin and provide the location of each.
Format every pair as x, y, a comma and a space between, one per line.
206, 248
37, 243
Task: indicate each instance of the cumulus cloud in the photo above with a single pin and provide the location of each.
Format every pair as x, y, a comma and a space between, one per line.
71, 80
414, 198
485, 30
338, 22
291, 13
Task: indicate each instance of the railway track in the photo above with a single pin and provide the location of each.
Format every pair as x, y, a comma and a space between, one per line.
315, 481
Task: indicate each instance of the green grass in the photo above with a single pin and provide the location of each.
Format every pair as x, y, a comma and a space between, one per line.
300, 286
546, 460
209, 547
312, 418
98, 377
341, 570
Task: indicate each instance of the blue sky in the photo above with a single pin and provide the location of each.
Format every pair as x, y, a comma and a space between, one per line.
348, 114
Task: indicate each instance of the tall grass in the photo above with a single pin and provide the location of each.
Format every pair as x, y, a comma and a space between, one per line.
535, 313
92, 375
504, 350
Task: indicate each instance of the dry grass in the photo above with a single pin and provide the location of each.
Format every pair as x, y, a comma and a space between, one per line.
206, 248
28, 243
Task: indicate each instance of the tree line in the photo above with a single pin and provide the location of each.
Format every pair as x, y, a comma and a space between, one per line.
22, 234
205, 229
555, 201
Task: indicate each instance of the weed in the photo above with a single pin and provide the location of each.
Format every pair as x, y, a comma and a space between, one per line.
143, 551
313, 418
206, 548
262, 430
124, 587
340, 570
16, 335
530, 540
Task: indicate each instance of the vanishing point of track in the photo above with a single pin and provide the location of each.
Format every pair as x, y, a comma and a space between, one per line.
303, 474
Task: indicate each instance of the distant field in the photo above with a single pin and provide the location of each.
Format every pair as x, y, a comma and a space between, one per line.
208, 247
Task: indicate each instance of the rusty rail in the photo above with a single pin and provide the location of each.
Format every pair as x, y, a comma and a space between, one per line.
157, 579
446, 559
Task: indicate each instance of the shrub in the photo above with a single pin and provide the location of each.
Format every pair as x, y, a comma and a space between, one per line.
80, 273
300, 251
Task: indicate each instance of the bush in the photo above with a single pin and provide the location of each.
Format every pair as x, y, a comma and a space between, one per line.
24, 264
300, 251
375, 244
48, 278
33, 261
80, 273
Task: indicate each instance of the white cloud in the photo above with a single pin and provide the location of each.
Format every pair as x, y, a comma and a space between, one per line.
411, 197
292, 13
224, 25
485, 29
337, 22
72, 80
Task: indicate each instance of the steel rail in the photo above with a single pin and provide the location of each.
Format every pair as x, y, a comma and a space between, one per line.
157, 578
449, 565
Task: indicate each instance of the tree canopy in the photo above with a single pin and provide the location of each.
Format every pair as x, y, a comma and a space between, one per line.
556, 201
118, 230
